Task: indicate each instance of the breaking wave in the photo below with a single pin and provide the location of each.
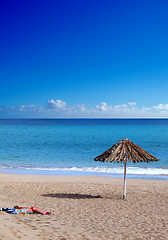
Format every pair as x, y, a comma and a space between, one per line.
115, 170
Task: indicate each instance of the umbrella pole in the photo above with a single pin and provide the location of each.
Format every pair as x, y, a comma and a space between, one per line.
124, 194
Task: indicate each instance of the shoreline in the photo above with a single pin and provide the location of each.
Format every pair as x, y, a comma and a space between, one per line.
29, 176
82, 173
83, 207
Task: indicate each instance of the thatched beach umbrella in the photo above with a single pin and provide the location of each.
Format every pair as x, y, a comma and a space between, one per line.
126, 151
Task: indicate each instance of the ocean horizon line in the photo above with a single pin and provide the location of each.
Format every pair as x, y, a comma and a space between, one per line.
94, 118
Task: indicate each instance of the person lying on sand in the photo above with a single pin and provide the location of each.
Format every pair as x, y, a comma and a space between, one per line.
24, 210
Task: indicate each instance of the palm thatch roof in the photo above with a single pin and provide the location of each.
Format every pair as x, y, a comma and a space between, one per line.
126, 151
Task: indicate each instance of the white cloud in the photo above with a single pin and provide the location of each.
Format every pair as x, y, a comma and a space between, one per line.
145, 109
22, 108
57, 105
57, 108
34, 108
120, 106
81, 107
115, 109
61, 107
102, 107
131, 103
161, 107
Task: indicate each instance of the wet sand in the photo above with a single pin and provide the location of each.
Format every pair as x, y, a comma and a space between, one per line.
84, 207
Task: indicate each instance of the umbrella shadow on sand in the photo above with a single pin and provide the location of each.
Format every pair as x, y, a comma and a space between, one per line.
70, 195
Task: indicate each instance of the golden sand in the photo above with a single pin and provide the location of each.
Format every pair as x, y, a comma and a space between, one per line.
84, 207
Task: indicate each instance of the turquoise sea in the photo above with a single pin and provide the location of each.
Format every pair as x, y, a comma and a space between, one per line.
69, 146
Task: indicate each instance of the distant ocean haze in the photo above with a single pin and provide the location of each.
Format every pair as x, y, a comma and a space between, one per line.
71, 145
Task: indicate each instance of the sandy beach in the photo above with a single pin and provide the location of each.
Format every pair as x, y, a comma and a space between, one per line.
84, 207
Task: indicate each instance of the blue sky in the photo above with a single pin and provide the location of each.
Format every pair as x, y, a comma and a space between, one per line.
83, 58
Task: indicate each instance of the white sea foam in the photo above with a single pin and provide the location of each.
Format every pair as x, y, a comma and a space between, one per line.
116, 170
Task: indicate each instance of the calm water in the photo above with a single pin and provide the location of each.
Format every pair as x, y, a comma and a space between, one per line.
70, 145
